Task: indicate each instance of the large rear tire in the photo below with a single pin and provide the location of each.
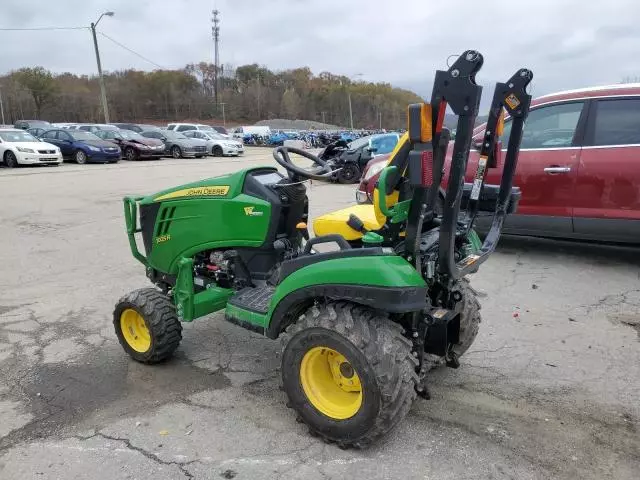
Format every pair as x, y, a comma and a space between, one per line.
147, 326
349, 373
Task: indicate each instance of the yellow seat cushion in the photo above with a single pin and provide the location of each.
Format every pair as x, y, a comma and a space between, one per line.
336, 222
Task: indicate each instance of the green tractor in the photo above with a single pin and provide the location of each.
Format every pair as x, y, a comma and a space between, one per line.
365, 321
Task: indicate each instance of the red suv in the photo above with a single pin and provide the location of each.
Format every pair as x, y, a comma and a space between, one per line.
578, 169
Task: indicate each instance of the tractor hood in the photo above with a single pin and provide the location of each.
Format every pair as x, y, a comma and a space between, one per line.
225, 186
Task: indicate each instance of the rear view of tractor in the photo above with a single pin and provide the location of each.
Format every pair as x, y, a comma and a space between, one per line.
362, 324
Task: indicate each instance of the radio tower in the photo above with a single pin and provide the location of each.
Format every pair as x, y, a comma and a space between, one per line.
215, 31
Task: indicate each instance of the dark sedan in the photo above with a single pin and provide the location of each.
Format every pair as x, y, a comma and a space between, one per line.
133, 145
82, 147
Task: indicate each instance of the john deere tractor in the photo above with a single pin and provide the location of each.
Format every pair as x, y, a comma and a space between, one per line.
364, 321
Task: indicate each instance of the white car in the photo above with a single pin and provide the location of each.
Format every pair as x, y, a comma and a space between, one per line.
18, 147
218, 145
185, 127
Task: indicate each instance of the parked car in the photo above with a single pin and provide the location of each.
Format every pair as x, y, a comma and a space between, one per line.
239, 132
83, 147
217, 145
37, 131
18, 147
221, 130
26, 124
134, 127
92, 127
578, 168
350, 159
177, 145
133, 145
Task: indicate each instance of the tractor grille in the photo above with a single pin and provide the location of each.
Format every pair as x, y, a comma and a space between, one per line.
47, 152
166, 217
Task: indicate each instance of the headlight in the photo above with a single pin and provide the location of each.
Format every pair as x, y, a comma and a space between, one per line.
92, 148
374, 170
25, 150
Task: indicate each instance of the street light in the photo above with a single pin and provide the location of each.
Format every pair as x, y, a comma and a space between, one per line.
103, 92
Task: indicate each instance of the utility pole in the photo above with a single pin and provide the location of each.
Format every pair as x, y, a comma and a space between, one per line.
215, 32
103, 91
351, 109
224, 120
2, 108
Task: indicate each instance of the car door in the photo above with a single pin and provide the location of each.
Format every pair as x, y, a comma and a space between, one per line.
547, 169
65, 142
607, 199
52, 137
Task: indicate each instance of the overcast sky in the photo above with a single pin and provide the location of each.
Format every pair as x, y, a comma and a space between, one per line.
567, 43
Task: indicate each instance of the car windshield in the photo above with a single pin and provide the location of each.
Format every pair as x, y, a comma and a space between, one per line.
170, 134
215, 136
361, 142
82, 135
129, 135
17, 136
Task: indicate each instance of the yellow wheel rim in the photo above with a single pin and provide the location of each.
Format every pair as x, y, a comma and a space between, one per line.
135, 331
330, 383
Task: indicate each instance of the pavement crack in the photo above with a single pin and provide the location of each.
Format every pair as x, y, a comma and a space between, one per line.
151, 456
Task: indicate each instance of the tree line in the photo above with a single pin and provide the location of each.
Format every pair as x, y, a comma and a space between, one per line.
249, 93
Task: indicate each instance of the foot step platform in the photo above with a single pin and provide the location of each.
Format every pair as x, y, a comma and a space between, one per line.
255, 299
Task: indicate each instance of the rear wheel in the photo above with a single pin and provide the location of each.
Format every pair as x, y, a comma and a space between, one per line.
147, 326
350, 173
349, 373
80, 157
176, 152
217, 151
130, 153
10, 159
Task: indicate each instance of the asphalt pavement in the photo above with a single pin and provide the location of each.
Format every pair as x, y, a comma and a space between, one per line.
549, 390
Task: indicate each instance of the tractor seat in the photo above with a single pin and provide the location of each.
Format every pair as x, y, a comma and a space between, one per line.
336, 222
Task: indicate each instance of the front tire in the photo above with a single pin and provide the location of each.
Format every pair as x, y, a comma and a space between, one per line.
349, 373
469, 318
10, 159
147, 326
176, 152
80, 157
131, 154
217, 151
350, 173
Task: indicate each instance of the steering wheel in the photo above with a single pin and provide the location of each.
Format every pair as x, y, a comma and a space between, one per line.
281, 155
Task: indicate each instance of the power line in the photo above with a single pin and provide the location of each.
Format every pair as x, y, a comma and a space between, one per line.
131, 51
41, 28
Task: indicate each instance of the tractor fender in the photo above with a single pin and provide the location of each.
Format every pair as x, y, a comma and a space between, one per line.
384, 282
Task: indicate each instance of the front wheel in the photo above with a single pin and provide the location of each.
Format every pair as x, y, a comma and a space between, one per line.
147, 326
350, 173
217, 151
130, 154
349, 373
176, 152
80, 157
10, 159
469, 318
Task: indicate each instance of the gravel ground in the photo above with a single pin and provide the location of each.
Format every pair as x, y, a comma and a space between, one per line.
549, 390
